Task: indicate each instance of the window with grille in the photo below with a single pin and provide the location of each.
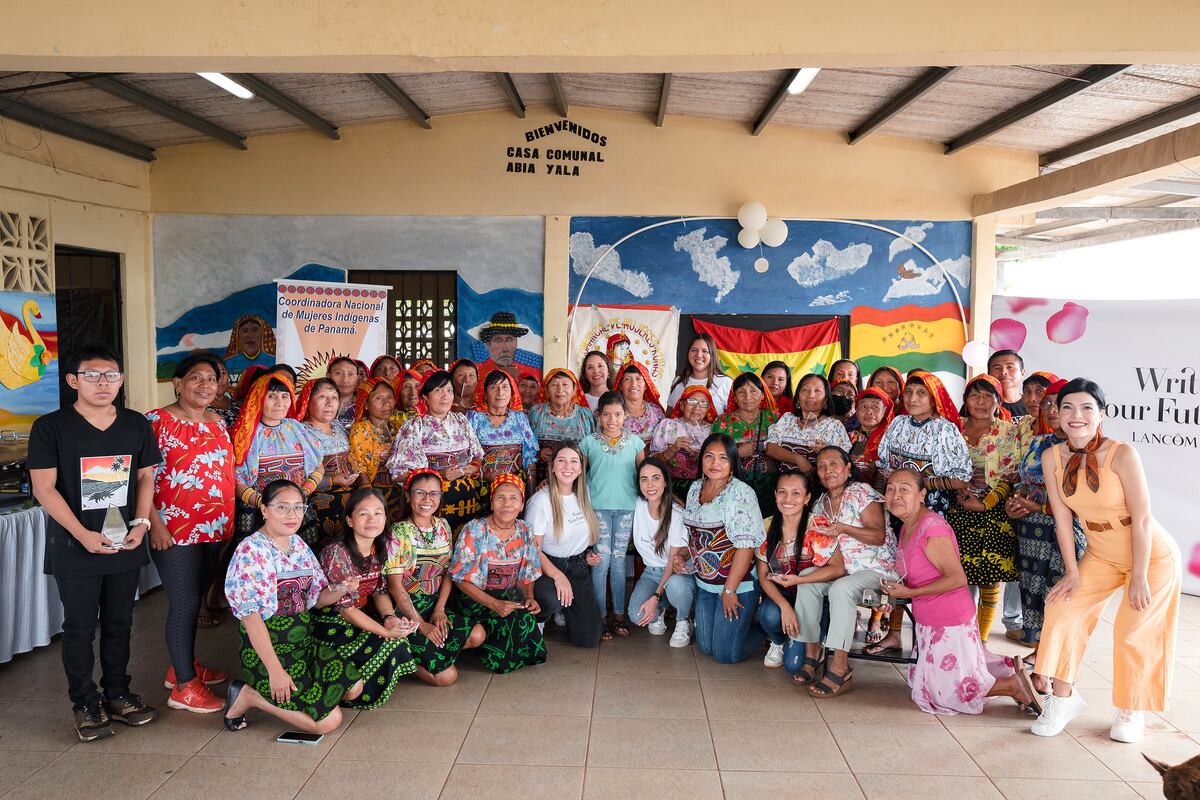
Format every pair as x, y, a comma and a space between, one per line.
423, 314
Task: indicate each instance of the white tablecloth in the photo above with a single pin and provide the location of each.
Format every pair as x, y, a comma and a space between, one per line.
30, 611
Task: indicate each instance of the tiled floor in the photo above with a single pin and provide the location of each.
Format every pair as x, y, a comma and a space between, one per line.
633, 719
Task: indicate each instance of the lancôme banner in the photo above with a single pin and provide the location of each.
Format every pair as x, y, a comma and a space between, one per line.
1143, 354
316, 321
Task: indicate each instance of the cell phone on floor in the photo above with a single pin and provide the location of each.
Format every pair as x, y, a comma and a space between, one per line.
300, 737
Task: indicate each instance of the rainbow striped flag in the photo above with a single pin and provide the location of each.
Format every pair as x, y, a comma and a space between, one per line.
908, 337
805, 349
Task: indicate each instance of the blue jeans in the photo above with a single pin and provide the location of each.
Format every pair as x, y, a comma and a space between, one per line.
680, 589
616, 527
728, 641
1012, 607
770, 617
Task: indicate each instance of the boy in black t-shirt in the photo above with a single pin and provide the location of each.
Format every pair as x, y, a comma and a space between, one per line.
92, 469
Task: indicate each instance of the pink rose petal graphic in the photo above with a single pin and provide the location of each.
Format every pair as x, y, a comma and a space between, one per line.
1068, 324
1194, 563
1007, 334
1019, 304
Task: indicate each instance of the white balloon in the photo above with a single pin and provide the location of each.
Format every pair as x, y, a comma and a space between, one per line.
774, 233
761, 265
748, 238
975, 354
752, 215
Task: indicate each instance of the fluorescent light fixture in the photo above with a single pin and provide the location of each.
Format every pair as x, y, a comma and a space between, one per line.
230, 85
803, 79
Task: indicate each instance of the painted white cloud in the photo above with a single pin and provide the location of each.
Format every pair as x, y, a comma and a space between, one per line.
830, 299
191, 341
914, 232
584, 254
915, 281
713, 270
827, 263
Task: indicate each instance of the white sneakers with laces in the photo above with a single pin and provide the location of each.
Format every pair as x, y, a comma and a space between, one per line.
774, 657
1057, 713
1128, 726
682, 636
658, 627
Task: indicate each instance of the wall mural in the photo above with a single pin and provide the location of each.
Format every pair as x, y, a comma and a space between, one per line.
213, 270
834, 268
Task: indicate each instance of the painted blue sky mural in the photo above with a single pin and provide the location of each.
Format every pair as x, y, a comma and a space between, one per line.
822, 267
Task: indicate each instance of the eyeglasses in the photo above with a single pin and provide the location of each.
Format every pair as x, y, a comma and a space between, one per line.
94, 376
696, 401
426, 494
288, 509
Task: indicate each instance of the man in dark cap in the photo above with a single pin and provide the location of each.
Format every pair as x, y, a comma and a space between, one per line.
501, 335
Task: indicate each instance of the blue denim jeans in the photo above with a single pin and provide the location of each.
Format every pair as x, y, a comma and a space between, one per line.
770, 617
680, 589
728, 641
616, 527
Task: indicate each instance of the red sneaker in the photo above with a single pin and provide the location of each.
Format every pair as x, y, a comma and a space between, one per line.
207, 675
194, 696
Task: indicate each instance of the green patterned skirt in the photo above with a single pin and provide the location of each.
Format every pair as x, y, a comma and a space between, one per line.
430, 657
380, 662
512, 642
322, 677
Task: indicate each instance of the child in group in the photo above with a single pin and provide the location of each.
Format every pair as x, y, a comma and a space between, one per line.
613, 455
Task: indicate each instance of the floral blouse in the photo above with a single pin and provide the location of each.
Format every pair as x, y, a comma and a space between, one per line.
370, 445
426, 441
335, 446
715, 529
482, 559
264, 580
755, 431
502, 442
1033, 480
281, 451
398, 418
644, 425
421, 556
193, 484
796, 435
684, 464
934, 446
857, 555
549, 428
338, 567
995, 455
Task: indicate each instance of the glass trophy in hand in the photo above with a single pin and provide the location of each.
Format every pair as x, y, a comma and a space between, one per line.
115, 529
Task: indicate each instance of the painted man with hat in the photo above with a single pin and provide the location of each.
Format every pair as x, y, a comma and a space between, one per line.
500, 335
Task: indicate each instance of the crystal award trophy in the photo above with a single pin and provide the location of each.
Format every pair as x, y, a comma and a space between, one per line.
115, 529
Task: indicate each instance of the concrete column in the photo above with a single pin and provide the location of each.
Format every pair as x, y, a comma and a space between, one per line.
983, 281
556, 277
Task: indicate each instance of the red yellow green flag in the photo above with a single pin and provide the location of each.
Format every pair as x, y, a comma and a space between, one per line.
908, 337
805, 349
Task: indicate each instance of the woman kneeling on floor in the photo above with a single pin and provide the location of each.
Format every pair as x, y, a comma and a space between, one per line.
954, 673
272, 585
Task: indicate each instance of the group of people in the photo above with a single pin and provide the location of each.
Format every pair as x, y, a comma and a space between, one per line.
383, 520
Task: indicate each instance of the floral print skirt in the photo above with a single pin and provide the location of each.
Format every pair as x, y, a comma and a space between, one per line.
954, 671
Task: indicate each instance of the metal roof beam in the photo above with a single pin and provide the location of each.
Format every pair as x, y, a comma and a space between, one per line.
1171, 186
398, 96
14, 109
505, 82
780, 94
1101, 213
1032, 248
1149, 202
132, 94
664, 95
906, 97
287, 104
560, 94
1132, 128
1055, 94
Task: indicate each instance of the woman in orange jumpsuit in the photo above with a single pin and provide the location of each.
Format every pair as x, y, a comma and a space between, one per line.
1102, 482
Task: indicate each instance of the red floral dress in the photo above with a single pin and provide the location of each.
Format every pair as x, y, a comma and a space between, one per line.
193, 484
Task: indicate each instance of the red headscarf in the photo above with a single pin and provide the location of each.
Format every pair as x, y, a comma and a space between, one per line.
871, 451
898, 403
382, 358
651, 390
251, 413
768, 401
363, 393
423, 407
423, 367
710, 416
300, 408
247, 379
421, 472
509, 479
943, 406
1002, 412
579, 399
514, 404
1051, 390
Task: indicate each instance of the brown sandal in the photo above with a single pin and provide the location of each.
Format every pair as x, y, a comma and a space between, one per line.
620, 625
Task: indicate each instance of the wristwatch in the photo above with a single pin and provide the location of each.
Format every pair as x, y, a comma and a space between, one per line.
727, 590
658, 596
133, 523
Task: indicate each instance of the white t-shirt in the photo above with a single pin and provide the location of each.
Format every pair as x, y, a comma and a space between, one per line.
645, 528
722, 384
593, 400
572, 540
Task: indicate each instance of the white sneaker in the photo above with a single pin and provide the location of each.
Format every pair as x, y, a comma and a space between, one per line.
1057, 713
682, 636
541, 628
1128, 726
658, 627
774, 657
560, 620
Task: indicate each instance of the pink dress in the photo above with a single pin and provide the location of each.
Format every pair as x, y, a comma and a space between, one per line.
954, 671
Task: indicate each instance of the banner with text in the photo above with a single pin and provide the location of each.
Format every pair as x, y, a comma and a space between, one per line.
1143, 354
647, 334
315, 321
